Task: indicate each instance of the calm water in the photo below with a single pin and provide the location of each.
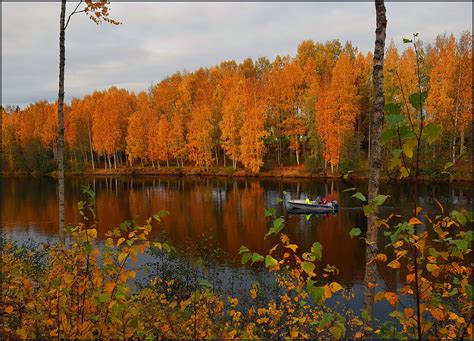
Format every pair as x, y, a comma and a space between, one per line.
230, 211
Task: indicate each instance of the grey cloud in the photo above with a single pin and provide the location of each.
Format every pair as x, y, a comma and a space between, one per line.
157, 39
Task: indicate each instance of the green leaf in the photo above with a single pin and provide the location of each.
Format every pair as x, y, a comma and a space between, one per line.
468, 289
246, 257
269, 212
317, 293
355, 232
359, 196
368, 209
278, 225
406, 133
88, 248
270, 261
205, 283
379, 199
396, 153
448, 165
387, 135
407, 41
414, 99
243, 249
308, 267
365, 315
350, 189
317, 250
460, 244
393, 109
327, 319
395, 121
161, 214
458, 216
433, 252
257, 258
279, 200
432, 132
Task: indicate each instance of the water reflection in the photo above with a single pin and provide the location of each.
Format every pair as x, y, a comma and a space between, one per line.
229, 210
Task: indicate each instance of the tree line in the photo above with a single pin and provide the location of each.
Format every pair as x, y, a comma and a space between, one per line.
313, 108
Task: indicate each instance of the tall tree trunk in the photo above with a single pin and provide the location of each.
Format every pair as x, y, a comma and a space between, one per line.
62, 62
90, 145
375, 155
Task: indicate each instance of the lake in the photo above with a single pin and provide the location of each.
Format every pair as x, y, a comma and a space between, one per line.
223, 213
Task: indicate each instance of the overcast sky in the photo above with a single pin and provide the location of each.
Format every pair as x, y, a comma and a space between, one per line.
157, 39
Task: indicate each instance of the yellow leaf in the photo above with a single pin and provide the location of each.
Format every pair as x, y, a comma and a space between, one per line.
381, 257
404, 172
379, 296
92, 233
120, 241
122, 256
391, 297
398, 244
433, 268
395, 264
9, 309
335, 287
408, 147
414, 221
293, 247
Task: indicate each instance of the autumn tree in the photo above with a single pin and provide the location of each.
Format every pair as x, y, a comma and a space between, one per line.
253, 133
109, 123
159, 139
337, 109
138, 128
234, 105
450, 88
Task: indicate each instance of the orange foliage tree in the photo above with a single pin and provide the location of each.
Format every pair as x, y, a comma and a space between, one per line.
337, 109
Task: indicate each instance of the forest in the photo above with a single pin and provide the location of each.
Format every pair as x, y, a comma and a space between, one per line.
312, 109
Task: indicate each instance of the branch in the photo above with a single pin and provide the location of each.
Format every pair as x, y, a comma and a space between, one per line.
73, 12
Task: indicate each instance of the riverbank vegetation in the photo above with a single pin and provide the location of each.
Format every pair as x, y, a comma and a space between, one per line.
311, 110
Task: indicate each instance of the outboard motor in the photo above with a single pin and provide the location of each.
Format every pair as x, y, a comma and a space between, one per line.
335, 204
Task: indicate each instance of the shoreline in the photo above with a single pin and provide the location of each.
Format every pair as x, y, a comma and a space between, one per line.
289, 172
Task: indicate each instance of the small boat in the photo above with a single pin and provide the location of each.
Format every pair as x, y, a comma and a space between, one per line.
313, 206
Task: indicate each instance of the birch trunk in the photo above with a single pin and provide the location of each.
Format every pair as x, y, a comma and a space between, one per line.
62, 62
375, 153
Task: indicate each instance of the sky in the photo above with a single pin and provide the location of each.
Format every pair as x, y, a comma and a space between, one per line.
158, 39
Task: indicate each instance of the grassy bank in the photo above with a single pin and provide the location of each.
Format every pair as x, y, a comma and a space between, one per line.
461, 172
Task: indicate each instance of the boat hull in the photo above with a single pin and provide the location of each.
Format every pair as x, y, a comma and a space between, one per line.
320, 208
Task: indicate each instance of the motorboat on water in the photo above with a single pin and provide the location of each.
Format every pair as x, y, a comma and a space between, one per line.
314, 206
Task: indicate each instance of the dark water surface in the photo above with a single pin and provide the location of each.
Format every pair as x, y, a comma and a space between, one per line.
228, 212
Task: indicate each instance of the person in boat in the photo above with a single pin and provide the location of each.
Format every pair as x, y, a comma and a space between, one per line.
308, 200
